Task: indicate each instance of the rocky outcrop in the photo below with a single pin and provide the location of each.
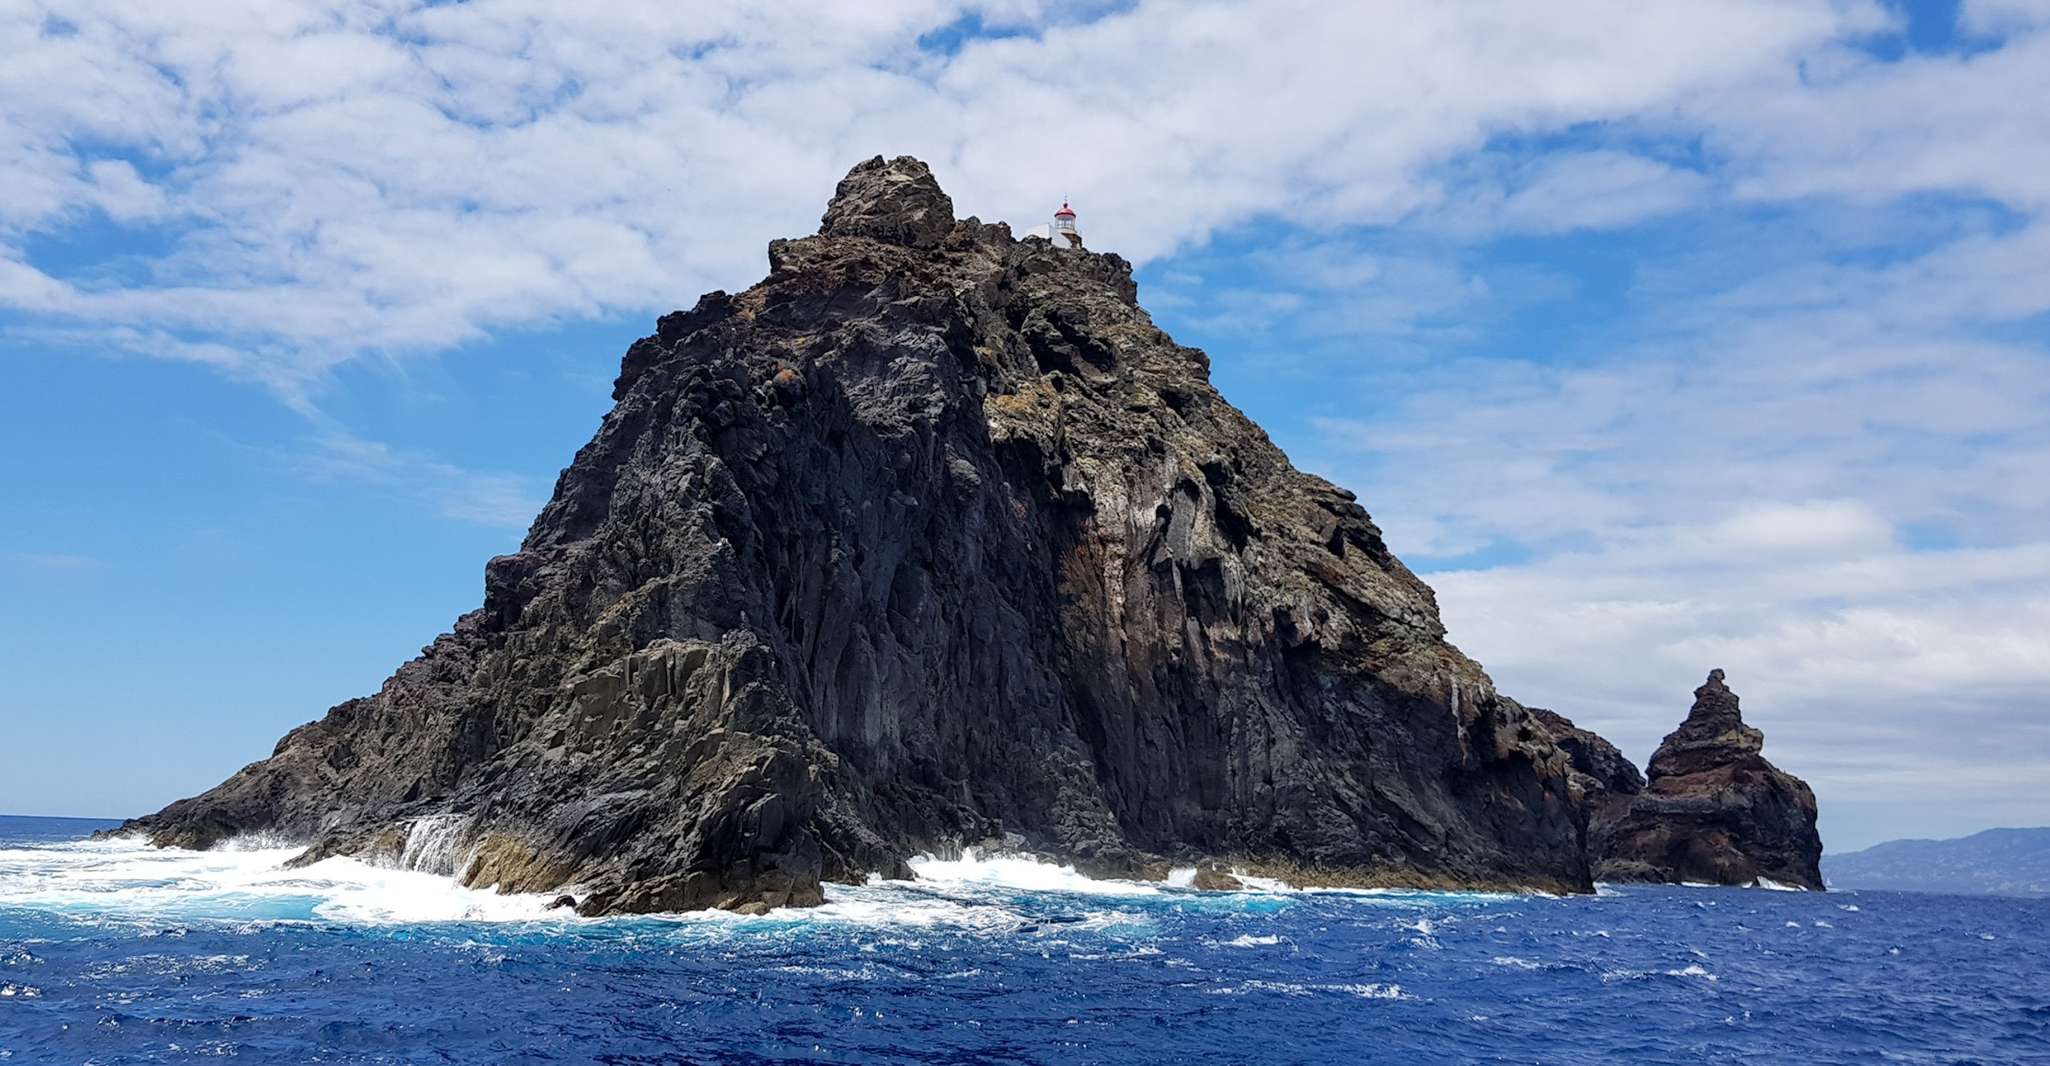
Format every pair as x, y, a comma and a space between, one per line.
929, 538
1713, 811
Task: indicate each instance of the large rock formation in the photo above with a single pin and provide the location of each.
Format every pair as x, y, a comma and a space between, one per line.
929, 538
1714, 810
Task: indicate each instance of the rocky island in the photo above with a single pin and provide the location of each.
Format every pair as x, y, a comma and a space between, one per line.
932, 538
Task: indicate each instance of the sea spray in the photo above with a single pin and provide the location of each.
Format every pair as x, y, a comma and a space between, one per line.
438, 844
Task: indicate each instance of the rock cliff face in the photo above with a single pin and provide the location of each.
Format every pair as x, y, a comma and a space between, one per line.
930, 538
1714, 810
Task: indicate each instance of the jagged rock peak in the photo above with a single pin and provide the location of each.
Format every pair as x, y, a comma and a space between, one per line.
895, 200
1712, 735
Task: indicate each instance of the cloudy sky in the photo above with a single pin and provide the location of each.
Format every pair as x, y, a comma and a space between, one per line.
1659, 336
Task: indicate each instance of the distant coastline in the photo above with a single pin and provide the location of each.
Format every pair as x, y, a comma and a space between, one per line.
1995, 862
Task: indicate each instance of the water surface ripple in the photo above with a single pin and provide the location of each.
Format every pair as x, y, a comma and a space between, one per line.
113, 953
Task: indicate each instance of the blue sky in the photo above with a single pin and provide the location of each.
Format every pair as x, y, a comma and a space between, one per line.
1658, 336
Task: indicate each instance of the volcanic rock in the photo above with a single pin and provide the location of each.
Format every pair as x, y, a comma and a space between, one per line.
1714, 810
930, 537
1598, 766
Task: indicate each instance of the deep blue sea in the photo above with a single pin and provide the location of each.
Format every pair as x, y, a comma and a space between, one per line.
117, 953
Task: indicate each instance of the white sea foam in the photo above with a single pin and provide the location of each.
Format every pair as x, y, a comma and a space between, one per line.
1025, 873
248, 880
1776, 886
1426, 934
242, 880
1248, 940
1516, 963
1291, 988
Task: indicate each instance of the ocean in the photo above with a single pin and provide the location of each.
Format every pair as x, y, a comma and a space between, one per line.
113, 952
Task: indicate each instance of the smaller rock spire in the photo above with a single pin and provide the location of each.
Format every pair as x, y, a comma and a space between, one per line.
1714, 734
1714, 809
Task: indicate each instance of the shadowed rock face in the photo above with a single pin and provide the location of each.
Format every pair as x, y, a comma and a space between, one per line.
929, 538
1714, 810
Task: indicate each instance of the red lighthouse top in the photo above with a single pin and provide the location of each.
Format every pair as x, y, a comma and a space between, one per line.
1065, 211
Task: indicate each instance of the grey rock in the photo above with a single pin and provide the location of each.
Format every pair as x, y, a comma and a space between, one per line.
930, 537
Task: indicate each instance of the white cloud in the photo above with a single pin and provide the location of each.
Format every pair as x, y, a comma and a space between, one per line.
1562, 192
391, 177
1749, 472
1831, 478
494, 499
1793, 530
1852, 125
1995, 17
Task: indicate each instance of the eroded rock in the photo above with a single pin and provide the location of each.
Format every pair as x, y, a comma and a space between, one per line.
1714, 810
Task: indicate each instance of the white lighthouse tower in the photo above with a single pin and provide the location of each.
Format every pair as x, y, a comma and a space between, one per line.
1064, 225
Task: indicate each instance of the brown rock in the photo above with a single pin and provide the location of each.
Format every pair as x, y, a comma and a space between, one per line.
1714, 810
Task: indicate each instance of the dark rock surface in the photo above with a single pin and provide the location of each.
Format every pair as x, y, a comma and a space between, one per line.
929, 538
1713, 811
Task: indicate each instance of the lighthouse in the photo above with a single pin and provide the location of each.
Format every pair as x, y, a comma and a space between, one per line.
1064, 224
